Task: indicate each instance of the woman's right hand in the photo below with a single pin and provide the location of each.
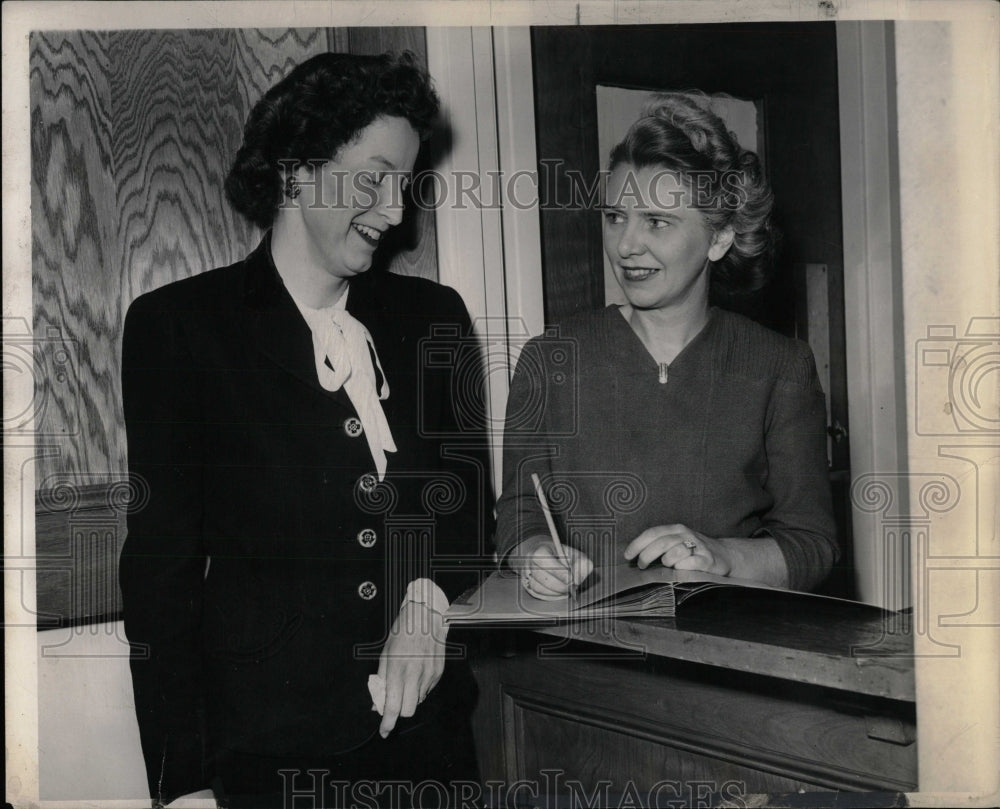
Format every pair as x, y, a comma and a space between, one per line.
543, 572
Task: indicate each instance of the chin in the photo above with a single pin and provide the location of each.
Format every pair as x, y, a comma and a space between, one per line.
358, 267
645, 301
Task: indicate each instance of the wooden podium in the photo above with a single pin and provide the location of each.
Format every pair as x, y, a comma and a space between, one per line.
741, 694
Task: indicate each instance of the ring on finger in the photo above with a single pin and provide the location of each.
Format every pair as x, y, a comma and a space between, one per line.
690, 544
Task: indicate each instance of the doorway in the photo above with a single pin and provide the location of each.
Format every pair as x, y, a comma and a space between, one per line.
788, 71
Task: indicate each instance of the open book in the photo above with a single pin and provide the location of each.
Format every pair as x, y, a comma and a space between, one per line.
622, 590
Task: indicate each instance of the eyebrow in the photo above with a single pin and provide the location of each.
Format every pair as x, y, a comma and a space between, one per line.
657, 213
384, 161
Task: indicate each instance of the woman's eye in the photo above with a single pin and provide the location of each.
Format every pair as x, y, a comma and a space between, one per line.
658, 224
613, 217
373, 178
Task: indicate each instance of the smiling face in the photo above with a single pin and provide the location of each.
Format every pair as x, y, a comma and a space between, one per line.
658, 244
349, 202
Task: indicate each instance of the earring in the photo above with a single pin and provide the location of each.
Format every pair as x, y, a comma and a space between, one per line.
292, 189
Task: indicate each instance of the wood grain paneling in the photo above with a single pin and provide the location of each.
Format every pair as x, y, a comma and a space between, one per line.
76, 272
180, 101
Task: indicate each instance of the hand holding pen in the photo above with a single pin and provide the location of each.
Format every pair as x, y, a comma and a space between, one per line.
549, 568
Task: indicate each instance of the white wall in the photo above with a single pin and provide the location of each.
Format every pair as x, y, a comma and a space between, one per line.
88, 739
948, 87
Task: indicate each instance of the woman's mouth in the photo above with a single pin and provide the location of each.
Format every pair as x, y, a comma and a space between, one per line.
638, 273
370, 235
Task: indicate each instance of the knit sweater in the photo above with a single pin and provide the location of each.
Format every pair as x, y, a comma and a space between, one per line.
732, 444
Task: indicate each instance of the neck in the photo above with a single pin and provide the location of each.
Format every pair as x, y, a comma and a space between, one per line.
305, 279
665, 332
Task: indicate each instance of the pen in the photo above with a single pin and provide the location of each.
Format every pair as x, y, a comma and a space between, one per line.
552, 530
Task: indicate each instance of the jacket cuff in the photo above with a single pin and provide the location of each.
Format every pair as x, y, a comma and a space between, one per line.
425, 591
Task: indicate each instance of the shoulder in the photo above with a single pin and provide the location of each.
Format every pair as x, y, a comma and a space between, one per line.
590, 325
561, 349
159, 324
585, 330
410, 294
207, 291
746, 348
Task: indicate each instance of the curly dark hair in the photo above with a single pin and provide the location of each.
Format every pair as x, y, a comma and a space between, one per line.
679, 132
315, 110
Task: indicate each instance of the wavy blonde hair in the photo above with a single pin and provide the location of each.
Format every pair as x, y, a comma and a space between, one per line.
680, 132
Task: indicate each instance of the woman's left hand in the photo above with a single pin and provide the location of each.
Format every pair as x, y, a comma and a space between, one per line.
412, 661
679, 547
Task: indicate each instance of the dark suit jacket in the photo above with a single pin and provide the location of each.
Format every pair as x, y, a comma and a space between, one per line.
262, 570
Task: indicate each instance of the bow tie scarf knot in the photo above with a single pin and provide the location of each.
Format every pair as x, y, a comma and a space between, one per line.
344, 353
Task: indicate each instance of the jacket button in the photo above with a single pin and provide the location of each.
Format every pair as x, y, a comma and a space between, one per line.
352, 427
367, 483
366, 537
367, 590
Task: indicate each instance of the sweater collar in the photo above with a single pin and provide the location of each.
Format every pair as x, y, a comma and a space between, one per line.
632, 352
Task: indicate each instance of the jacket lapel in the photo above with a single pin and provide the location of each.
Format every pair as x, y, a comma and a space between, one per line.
275, 323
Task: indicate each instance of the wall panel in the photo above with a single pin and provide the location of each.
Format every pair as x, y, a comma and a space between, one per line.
76, 271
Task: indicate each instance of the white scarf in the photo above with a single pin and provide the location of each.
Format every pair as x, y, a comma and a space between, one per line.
343, 350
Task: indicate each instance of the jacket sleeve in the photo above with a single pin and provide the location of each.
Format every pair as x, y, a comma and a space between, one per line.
527, 449
463, 533
801, 518
163, 560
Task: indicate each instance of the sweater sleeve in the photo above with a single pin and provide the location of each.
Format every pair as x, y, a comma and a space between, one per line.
163, 560
527, 449
801, 518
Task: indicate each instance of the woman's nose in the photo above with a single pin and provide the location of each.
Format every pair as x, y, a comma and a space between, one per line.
391, 205
629, 242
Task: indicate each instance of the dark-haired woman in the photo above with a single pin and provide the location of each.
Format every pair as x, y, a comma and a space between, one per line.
279, 585
671, 432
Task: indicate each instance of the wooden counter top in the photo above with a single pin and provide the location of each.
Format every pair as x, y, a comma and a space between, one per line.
821, 642
764, 693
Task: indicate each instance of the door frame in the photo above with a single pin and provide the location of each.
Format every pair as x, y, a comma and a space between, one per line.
873, 304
